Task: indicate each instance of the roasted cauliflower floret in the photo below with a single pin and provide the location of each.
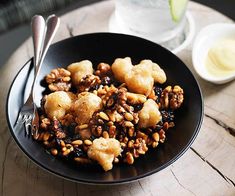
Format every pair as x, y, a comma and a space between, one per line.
140, 80
121, 67
85, 106
104, 151
79, 70
149, 115
158, 74
57, 104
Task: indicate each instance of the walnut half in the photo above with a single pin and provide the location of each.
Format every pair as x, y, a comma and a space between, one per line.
59, 80
172, 97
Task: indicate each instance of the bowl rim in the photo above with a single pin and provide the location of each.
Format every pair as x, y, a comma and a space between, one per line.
114, 182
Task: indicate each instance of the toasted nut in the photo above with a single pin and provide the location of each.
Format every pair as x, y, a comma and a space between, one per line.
84, 126
110, 123
46, 143
125, 140
66, 152
104, 116
45, 123
128, 124
134, 98
106, 88
123, 145
145, 148
120, 109
136, 118
118, 117
105, 135
110, 102
88, 142
156, 137
77, 142
150, 142
40, 138
128, 116
112, 131
101, 91
112, 116
64, 149
129, 158
142, 135
66, 79
171, 124
100, 121
131, 144
99, 130
62, 143
54, 151
165, 125
82, 160
141, 151
69, 146
131, 131
135, 153
162, 135
154, 144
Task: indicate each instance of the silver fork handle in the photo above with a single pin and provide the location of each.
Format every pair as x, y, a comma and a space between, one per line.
52, 25
38, 30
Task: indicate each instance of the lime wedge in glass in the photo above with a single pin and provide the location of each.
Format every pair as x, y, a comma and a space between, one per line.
177, 8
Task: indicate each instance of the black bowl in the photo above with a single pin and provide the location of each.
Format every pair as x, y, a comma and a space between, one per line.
105, 47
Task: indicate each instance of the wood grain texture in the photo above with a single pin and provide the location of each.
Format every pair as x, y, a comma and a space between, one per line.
207, 168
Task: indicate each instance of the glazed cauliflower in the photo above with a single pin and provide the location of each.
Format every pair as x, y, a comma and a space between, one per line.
57, 104
79, 70
140, 80
149, 115
104, 151
120, 67
85, 106
158, 74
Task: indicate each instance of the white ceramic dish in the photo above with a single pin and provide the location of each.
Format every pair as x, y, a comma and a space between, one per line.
203, 42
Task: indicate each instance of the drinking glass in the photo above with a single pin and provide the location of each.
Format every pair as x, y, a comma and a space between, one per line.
156, 20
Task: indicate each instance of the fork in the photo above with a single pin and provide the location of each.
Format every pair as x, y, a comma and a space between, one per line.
42, 37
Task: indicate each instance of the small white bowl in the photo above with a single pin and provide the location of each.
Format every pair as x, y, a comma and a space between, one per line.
203, 42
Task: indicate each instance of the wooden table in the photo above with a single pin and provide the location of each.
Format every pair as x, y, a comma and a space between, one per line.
207, 168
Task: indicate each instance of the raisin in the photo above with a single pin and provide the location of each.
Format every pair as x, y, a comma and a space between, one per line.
92, 137
138, 107
68, 140
78, 152
70, 129
158, 92
95, 87
77, 137
106, 81
167, 116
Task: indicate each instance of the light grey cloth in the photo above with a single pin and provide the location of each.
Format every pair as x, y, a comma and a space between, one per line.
18, 11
